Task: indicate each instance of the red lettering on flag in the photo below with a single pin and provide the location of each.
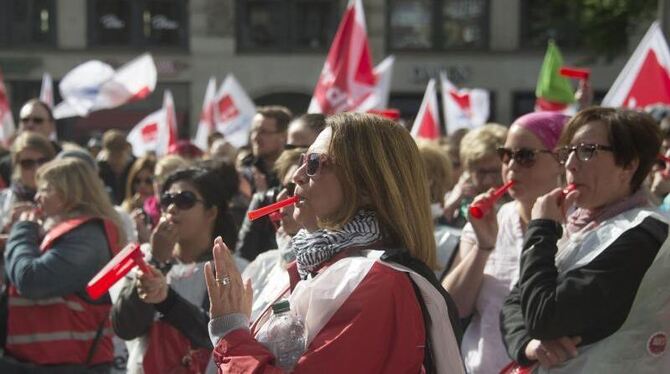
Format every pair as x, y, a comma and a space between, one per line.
149, 132
227, 108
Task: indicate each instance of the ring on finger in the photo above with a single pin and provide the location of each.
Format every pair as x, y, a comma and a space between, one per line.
224, 281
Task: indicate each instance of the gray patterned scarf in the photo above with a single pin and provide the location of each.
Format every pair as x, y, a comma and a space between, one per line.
313, 249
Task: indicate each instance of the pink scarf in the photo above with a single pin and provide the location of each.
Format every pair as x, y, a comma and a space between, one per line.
584, 218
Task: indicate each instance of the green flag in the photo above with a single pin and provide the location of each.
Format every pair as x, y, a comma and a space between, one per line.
551, 86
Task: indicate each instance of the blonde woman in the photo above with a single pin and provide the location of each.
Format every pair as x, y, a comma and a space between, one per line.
359, 178
51, 321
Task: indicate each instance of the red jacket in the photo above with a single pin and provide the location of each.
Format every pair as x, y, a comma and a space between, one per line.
379, 329
60, 330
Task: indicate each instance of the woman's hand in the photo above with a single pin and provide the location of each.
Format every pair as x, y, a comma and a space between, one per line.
152, 288
227, 293
553, 205
552, 352
486, 228
141, 225
163, 240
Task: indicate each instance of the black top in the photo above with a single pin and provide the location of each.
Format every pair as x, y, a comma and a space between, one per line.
592, 301
256, 237
115, 183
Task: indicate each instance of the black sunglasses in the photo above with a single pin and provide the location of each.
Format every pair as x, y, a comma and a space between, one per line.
584, 151
147, 180
525, 157
314, 162
183, 200
36, 120
28, 163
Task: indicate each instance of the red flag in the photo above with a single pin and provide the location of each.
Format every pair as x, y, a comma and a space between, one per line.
347, 78
427, 124
645, 80
463, 108
6, 120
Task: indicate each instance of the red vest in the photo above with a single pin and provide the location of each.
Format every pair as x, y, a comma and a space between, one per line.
169, 351
60, 330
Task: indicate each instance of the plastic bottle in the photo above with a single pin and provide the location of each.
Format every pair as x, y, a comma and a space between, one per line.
285, 335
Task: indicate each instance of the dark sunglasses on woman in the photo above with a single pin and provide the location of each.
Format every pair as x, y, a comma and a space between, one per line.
28, 163
183, 200
584, 151
314, 162
525, 157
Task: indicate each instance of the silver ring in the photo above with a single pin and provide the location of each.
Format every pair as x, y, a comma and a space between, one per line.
223, 281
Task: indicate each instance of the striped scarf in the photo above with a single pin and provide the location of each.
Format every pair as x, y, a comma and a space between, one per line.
313, 249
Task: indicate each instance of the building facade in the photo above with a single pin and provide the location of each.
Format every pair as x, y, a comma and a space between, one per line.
276, 49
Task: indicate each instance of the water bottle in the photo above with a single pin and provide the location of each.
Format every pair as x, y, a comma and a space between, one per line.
285, 335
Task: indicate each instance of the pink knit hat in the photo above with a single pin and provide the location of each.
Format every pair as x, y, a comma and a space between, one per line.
547, 126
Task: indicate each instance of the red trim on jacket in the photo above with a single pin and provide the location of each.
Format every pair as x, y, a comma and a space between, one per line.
60, 330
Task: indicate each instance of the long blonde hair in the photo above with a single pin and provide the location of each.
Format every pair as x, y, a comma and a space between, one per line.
81, 190
378, 165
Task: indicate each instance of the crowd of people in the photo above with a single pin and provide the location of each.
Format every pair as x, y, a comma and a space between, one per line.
380, 256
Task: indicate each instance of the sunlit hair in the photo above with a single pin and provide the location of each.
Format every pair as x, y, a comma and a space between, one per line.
633, 135
81, 190
167, 165
33, 141
375, 160
147, 163
481, 143
437, 166
286, 160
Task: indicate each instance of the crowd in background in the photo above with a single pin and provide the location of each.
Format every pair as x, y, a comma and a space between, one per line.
66, 210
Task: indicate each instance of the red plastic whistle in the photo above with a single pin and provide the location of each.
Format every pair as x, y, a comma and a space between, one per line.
576, 73
479, 209
264, 211
116, 269
569, 188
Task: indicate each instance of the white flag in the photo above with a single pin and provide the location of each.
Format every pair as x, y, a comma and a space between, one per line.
464, 108
427, 123
157, 131
47, 90
94, 85
233, 112
645, 80
206, 123
379, 97
7, 128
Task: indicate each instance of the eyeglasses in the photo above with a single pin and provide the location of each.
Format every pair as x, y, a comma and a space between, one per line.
147, 180
36, 120
314, 162
585, 152
525, 157
30, 163
184, 200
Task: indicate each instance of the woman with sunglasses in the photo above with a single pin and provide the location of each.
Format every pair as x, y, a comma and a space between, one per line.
51, 322
163, 314
363, 309
596, 299
29, 151
139, 188
486, 267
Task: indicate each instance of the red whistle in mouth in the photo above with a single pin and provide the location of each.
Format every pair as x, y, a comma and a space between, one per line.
569, 188
479, 209
264, 211
116, 269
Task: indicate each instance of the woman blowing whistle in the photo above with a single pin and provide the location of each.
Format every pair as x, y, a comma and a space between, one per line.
595, 300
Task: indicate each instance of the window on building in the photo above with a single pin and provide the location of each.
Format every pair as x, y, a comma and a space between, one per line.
545, 20
27, 22
286, 25
437, 24
139, 23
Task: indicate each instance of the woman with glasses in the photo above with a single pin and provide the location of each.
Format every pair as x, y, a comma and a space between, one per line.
593, 295
364, 311
51, 321
139, 188
164, 314
29, 151
486, 267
